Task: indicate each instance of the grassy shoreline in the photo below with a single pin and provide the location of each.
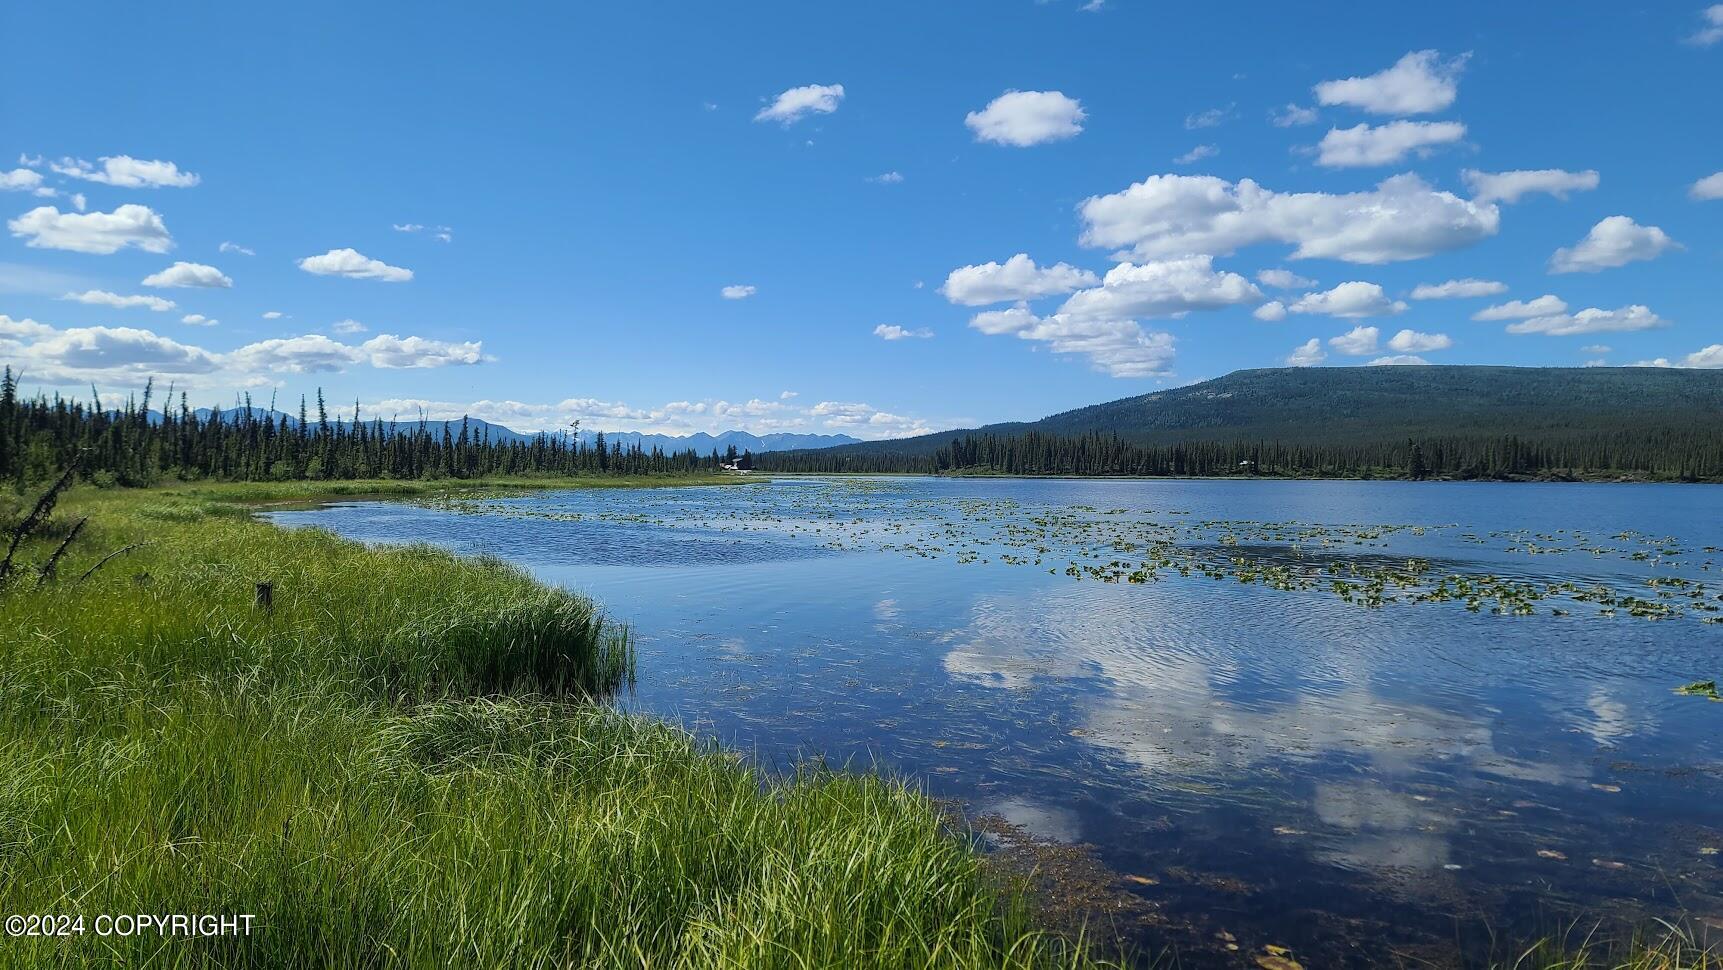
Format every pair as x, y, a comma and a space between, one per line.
406, 761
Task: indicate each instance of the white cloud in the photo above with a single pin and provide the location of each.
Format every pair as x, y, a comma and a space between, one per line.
1399, 360
1307, 354
1419, 83
1018, 278
1211, 118
389, 351
1389, 144
1413, 342
84, 353
797, 103
1197, 154
1597, 348
20, 180
354, 265
1171, 215
1458, 289
864, 420
127, 172
1709, 357
886, 178
1547, 305
1353, 299
1708, 188
273, 314
188, 274
1357, 342
345, 326
891, 331
198, 320
406, 227
1160, 288
1591, 320
1120, 348
1273, 311
118, 302
1614, 241
737, 292
1511, 186
233, 247
1024, 118
1712, 31
46, 227
1284, 279
1293, 115
786, 395
307, 354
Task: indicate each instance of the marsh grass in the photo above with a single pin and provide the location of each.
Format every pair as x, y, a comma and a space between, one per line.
406, 762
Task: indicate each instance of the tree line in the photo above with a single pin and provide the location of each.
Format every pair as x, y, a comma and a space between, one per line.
134, 445
1661, 454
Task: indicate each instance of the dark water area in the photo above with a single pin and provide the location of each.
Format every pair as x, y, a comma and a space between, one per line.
1374, 722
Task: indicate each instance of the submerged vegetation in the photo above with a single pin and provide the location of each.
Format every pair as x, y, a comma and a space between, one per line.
401, 758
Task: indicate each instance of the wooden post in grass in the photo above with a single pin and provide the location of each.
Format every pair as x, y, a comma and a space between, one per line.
265, 596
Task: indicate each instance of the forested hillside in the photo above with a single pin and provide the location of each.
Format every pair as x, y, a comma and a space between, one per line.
1462, 422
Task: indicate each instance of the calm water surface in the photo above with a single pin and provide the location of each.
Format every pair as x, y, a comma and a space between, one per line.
1395, 776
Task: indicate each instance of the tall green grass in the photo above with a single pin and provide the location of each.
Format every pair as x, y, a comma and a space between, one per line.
407, 762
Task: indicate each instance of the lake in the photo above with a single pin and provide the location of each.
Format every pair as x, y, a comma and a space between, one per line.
1361, 719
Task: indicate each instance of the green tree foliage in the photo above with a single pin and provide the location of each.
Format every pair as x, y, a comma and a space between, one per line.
134, 445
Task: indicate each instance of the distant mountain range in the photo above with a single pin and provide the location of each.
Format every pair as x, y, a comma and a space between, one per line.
700, 442
1340, 405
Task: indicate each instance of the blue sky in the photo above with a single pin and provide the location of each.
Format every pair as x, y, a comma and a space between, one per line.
588, 182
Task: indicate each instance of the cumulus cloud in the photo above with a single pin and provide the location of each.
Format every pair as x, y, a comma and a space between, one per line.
391, 352
1284, 279
1389, 144
1024, 118
354, 265
1353, 299
1293, 115
1712, 30
1511, 186
891, 331
886, 178
307, 354
20, 180
1160, 288
344, 326
118, 302
1591, 320
797, 103
83, 353
1547, 305
1708, 188
1614, 241
1418, 83
1398, 360
1018, 278
1273, 311
189, 274
198, 320
1357, 342
127, 172
737, 292
1307, 354
1121, 348
273, 314
1171, 215
137, 226
1413, 342
1458, 289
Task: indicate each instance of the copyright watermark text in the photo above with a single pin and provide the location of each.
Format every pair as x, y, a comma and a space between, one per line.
130, 924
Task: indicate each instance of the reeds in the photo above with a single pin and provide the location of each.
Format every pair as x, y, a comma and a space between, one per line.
403, 762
